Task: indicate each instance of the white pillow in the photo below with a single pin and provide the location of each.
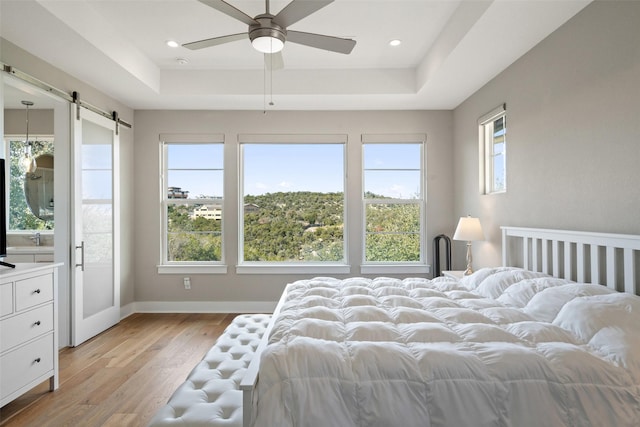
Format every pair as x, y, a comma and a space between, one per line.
546, 305
586, 316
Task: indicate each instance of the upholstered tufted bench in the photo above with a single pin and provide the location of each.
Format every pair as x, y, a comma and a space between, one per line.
210, 395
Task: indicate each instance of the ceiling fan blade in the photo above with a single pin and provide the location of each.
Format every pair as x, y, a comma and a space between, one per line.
227, 9
297, 10
274, 61
201, 44
333, 44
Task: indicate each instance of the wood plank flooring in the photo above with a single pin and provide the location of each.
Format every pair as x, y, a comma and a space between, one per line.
122, 376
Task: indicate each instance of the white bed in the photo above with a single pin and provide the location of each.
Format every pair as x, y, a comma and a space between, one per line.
507, 346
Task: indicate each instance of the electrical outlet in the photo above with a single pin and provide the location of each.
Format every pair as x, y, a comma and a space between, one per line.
187, 283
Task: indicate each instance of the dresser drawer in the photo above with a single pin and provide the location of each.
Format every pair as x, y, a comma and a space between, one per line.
26, 364
33, 291
6, 299
25, 326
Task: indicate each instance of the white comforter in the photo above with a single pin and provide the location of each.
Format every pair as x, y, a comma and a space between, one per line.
503, 347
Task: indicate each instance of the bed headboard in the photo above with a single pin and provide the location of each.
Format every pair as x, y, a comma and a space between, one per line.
609, 259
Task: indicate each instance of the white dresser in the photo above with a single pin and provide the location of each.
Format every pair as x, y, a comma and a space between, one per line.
28, 328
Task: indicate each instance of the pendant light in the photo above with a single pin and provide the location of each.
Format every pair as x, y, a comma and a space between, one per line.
29, 161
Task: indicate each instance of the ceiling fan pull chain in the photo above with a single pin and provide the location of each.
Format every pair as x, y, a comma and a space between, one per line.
271, 78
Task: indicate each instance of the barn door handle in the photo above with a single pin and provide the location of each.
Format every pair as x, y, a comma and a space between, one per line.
81, 247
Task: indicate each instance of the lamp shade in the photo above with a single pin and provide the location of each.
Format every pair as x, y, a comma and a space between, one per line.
468, 229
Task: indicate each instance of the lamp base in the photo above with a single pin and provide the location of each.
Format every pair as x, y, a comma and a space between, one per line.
469, 270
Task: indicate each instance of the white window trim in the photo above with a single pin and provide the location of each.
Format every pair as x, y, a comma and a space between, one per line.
277, 267
186, 267
377, 267
485, 162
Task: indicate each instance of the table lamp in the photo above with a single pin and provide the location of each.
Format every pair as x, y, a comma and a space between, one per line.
468, 229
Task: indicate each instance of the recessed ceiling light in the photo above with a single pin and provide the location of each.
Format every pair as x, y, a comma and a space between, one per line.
182, 61
172, 43
395, 42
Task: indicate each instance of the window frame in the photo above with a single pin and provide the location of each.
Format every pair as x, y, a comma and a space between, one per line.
188, 267
375, 267
487, 155
284, 267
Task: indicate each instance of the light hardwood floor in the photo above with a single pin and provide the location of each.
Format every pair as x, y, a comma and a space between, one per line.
122, 376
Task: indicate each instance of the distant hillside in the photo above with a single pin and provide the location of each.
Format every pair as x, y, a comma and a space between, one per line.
298, 226
294, 226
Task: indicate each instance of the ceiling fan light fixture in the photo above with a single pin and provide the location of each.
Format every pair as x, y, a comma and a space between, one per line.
267, 44
266, 36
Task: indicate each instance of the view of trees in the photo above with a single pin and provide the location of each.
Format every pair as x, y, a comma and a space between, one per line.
20, 216
192, 239
393, 232
297, 227
294, 226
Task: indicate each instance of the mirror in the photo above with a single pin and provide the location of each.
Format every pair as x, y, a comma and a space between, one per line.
38, 188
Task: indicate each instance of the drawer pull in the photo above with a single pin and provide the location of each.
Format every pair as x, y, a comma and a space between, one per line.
37, 323
37, 360
37, 291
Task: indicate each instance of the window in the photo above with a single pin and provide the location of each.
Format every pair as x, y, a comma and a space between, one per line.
393, 175
493, 143
40, 183
292, 199
193, 202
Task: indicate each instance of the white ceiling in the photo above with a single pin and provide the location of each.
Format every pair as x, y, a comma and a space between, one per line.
450, 48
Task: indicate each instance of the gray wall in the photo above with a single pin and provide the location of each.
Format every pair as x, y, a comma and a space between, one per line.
40, 122
573, 141
150, 286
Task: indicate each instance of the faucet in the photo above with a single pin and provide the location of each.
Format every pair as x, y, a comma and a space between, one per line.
36, 238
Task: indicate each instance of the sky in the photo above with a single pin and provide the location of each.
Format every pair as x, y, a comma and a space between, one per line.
391, 170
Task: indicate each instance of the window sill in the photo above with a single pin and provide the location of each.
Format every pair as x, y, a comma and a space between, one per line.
192, 269
395, 269
259, 268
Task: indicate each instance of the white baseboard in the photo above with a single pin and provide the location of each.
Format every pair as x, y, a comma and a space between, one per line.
198, 307
127, 310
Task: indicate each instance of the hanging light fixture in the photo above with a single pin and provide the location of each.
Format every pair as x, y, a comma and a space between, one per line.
29, 161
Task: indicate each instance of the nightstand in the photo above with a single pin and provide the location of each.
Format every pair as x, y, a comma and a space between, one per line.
453, 274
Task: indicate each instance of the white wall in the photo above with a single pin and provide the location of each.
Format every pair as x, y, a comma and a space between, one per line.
573, 133
246, 288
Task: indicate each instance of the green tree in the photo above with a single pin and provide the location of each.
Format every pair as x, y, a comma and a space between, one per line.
20, 216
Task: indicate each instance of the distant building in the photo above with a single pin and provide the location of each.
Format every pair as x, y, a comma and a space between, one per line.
177, 193
251, 207
214, 211
208, 212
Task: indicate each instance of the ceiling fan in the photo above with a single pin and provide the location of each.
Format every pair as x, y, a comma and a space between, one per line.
268, 32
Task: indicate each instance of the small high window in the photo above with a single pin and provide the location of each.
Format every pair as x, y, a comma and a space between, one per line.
493, 144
